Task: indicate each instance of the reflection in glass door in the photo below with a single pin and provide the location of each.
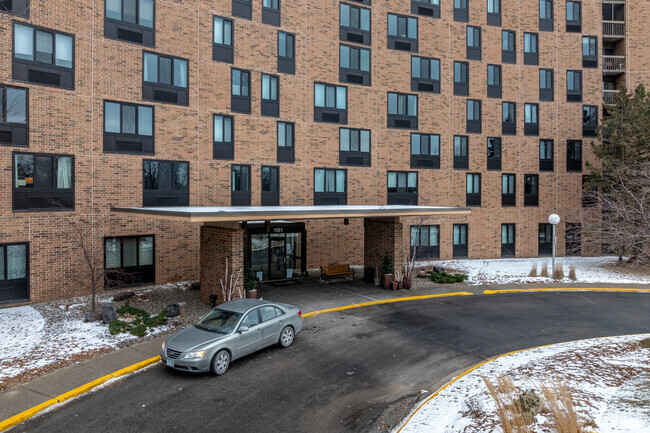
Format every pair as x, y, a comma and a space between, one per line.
260, 256
278, 257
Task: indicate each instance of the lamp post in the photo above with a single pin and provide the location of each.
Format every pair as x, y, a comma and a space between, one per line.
554, 219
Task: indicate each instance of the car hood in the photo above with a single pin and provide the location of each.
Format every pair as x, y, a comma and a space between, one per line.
191, 338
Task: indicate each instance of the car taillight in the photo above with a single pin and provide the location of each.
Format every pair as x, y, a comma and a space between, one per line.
300, 314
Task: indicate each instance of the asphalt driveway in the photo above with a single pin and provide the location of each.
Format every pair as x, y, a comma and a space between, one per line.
357, 370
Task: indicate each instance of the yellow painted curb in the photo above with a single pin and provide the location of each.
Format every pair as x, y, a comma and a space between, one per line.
434, 395
386, 301
17, 419
568, 289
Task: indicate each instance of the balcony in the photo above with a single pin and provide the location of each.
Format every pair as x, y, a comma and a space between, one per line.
608, 96
613, 65
613, 31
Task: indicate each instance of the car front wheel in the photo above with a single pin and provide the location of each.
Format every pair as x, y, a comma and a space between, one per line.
286, 336
220, 363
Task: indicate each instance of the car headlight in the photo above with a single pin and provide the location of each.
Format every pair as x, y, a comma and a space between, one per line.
195, 354
163, 345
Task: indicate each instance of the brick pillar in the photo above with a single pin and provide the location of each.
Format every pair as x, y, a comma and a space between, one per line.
382, 237
217, 245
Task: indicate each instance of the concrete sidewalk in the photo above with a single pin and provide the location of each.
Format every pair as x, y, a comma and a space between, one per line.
309, 295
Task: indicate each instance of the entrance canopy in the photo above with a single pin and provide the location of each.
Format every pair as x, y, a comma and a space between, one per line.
200, 214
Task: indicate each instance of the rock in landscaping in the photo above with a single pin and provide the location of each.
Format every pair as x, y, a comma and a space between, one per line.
196, 285
93, 317
438, 269
172, 310
108, 313
530, 403
123, 296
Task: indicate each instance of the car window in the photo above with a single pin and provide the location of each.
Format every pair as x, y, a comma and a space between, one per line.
267, 313
219, 321
251, 319
278, 312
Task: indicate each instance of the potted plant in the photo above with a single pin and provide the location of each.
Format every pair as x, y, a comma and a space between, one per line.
399, 279
387, 272
250, 283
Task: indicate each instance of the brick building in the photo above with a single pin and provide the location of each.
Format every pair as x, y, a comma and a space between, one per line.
489, 104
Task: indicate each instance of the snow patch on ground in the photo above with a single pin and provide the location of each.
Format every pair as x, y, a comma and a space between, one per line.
609, 379
516, 271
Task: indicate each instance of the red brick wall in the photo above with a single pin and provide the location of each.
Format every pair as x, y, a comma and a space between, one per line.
218, 245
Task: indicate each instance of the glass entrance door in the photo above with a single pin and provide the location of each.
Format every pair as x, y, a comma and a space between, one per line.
278, 257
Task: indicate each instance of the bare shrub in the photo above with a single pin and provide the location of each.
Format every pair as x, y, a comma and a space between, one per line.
645, 343
560, 408
558, 272
533, 270
509, 407
544, 272
473, 408
572, 272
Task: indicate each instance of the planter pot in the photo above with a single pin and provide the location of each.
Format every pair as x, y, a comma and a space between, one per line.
386, 281
407, 283
394, 285
251, 294
377, 281
400, 285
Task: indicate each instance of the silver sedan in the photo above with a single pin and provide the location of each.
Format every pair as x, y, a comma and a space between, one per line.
230, 331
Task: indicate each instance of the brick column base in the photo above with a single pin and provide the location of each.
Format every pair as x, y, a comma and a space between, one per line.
382, 237
217, 245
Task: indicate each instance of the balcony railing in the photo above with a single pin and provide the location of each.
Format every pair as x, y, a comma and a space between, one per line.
614, 64
613, 29
608, 95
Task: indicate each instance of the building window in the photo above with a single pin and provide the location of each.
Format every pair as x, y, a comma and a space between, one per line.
428, 8
286, 53
461, 11
425, 242
613, 12
240, 194
14, 116
574, 86
16, 7
531, 49
546, 15
286, 142
545, 239
589, 120
508, 47
354, 147
330, 187
270, 186
589, 52
402, 188
354, 65
402, 33
270, 95
494, 12
574, 16
223, 146
425, 74
473, 42
129, 261
460, 241
531, 190
165, 183
509, 118
222, 44
43, 181
330, 103
461, 78
271, 12
574, 155
130, 21
242, 8
494, 81
128, 128
508, 190
164, 79
425, 151
14, 272
402, 110
531, 119
354, 24
546, 85
474, 124
494, 153
546, 158
240, 94
43, 56
461, 154
473, 196
507, 240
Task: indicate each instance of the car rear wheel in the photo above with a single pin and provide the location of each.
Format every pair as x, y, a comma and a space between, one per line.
220, 363
286, 336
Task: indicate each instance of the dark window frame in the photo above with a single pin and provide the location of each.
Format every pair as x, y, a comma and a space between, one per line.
139, 274
574, 95
494, 18
112, 140
473, 52
223, 149
544, 239
357, 35
473, 198
240, 197
546, 155
531, 198
286, 153
331, 114
22, 10
494, 161
399, 42
461, 162
222, 52
474, 126
531, 57
271, 15
19, 132
402, 195
430, 160
531, 128
574, 158
509, 55
509, 123
353, 75
419, 233
574, 26
421, 83
272, 196
327, 198
460, 249
546, 93
129, 32
494, 90
427, 8
161, 92
287, 64
508, 190
270, 106
240, 103
546, 24
351, 157
402, 120
461, 87
52, 193
590, 60
151, 196
589, 120
461, 10
18, 288
508, 249
242, 9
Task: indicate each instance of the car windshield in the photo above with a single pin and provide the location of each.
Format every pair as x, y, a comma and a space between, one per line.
219, 321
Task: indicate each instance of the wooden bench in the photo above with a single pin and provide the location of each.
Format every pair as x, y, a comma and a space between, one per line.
335, 270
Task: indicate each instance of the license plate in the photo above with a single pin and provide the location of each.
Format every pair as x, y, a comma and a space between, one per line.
170, 363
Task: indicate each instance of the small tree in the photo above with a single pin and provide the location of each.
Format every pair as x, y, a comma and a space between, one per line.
387, 265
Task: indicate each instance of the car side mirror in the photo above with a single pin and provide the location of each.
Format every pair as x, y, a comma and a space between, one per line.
243, 329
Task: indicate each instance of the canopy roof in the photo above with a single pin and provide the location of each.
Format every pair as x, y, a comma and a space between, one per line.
256, 213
